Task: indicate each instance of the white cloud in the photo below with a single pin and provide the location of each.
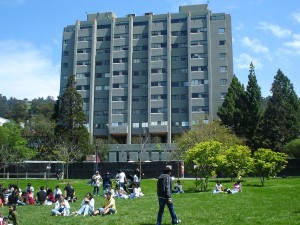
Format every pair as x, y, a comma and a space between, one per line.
255, 45
275, 29
296, 16
26, 71
244, 60
295, 44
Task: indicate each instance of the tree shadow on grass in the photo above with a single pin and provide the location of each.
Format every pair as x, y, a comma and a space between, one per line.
194, 191
146, 223
252, 185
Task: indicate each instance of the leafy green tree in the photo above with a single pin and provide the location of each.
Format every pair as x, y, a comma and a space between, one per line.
237, 161
254, 109
18, 112
39, 132
232, 110
203, 159
71, 131
268, 163
42, 106
281, 119
213, 131
293, 148
13, 145
102, 148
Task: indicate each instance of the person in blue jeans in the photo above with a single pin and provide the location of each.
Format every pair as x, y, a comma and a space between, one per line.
164, 194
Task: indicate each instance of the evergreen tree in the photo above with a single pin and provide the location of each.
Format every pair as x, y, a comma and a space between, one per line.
282, 115
253, 110
71, 130
4, 108
233, 107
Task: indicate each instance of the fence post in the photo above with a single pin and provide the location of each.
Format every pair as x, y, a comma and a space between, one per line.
45, 175
7, 175
26, 175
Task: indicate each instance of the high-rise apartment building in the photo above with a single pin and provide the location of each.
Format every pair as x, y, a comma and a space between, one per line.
153, 75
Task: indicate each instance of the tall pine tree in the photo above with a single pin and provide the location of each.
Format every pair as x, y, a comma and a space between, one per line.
282, 115
253, 110
71, 130
232, 109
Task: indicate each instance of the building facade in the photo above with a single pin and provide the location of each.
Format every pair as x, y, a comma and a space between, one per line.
150, 77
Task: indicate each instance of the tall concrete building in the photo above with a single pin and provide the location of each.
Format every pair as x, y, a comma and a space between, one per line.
150, 76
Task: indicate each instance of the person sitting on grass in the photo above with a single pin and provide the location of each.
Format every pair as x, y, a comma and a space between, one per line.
237, 187
109, 206
13, 216
218, 188
121, 193
178, 188
57, 192
62, 207
29, 198
50, 197
41, 196
69, 193
87, 205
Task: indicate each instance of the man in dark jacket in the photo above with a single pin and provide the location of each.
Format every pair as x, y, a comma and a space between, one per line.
164, 192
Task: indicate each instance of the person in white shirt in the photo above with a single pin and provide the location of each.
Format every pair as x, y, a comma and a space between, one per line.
87, 205
121, 177
57, 192
96, 183
62, 207
218, 188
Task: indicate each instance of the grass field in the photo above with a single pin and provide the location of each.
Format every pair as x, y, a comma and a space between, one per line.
276, 203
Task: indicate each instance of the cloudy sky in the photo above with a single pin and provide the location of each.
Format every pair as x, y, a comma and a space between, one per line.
266, 32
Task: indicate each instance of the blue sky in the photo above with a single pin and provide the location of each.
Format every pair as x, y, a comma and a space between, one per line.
266, 32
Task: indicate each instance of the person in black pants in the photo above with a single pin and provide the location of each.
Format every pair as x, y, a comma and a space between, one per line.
41, 196
164, 192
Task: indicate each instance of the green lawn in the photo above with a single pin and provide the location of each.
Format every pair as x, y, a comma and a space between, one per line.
276, 203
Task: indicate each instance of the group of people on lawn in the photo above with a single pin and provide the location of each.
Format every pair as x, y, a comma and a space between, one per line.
126, 187
237, 187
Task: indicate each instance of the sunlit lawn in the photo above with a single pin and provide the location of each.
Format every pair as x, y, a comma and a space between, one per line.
276, 203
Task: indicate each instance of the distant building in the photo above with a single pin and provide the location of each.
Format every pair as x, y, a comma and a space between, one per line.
151, 75
2, 121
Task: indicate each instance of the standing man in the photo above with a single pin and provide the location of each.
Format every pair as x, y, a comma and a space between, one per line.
164, 191
121, 177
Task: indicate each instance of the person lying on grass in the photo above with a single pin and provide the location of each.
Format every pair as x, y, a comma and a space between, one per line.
109, 206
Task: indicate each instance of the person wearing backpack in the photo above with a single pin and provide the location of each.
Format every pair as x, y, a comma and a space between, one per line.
164, 194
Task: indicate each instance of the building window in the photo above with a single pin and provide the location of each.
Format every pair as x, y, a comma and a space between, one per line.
221, 30
196, 109
135, 125
136, 60
145, 124
223, 95
223, 82
185, 123
223, 55
222, 42
223, 69
136, 48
